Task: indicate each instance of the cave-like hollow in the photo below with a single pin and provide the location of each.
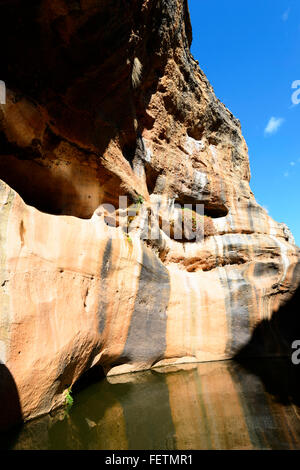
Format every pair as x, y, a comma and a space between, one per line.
61, 188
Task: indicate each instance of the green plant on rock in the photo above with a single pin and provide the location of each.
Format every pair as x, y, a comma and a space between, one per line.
139, 200
68, 398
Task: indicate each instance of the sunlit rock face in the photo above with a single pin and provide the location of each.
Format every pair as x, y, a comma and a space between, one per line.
104, 100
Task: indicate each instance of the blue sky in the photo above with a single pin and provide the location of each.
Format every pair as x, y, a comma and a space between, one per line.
250, 52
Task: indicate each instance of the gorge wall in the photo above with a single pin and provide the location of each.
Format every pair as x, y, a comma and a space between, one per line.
105, 99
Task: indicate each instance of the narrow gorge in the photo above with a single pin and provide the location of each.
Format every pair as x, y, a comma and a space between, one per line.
104, 99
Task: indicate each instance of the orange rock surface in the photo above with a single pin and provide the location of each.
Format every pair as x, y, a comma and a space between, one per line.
104, 101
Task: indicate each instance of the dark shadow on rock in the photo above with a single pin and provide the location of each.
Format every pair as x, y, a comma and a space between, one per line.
78, 68
276, 336
90, 377
10, 408
269, 352
38, 186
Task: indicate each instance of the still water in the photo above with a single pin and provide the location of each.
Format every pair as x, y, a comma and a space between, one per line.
220, 405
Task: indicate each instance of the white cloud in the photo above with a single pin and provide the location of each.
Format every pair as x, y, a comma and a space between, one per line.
273, 125
292, 163
286, 15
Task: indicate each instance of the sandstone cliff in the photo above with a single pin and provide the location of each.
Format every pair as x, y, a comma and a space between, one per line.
105, 99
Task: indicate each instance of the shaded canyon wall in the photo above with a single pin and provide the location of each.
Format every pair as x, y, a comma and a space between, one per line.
105, 99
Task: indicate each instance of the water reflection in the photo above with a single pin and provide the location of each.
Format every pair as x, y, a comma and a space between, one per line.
220, 405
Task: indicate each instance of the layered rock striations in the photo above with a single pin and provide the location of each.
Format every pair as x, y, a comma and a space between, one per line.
105, 100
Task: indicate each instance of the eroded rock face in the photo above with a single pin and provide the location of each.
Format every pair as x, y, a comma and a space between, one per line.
106, 100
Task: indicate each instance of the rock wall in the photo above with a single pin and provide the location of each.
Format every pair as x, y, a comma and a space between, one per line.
106, 100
